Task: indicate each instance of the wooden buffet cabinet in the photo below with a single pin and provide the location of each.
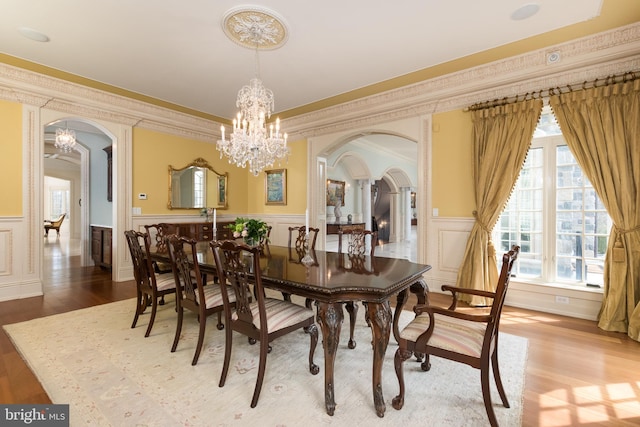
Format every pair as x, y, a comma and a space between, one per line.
334, 228
201, 231
101, 240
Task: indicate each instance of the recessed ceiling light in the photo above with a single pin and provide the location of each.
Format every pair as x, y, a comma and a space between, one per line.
32, 34
526, 11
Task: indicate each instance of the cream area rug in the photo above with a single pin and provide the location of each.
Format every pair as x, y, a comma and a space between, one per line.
111, 375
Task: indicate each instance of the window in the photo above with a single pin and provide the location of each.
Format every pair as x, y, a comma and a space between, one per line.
59, 203
555, 215
199, 183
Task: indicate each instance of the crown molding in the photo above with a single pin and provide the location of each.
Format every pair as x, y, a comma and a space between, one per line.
611, 52
28, 87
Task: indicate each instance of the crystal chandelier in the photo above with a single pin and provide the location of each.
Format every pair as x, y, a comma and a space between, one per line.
65, 140
251, 142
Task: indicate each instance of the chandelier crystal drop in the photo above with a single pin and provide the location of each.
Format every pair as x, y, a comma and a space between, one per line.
250, 142
65, 140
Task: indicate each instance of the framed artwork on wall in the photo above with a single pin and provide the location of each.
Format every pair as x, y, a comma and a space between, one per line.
335, 192
222, 190
275, 187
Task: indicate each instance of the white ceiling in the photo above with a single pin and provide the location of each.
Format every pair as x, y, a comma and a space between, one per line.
176, 50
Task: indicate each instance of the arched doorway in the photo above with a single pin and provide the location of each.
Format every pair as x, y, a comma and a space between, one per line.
383, 165
92, 136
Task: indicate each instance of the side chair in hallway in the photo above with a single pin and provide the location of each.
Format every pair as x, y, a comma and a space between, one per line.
53, 224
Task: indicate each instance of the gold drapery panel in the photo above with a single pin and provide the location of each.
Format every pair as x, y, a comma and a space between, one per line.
602, 128
501, 135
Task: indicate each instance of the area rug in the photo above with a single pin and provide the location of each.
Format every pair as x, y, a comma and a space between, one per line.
111, 375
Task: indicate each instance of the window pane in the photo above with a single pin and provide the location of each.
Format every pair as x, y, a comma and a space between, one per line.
582, 224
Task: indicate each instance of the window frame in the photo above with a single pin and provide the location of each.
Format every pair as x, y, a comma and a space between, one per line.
549, 269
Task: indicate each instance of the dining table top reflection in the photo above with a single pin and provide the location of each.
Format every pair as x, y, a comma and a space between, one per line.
331, 279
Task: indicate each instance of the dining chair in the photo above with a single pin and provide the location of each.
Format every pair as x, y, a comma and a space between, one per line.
263, 319
148, 287
193, 294
157, 235
463, 337
297, 240
356, 245
300, 234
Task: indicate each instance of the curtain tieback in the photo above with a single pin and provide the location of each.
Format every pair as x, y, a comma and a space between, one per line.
623, 231
480, 223
491, 250
619, 254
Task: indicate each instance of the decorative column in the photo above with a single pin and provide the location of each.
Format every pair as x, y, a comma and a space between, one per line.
406, 212
365, 187
395, 217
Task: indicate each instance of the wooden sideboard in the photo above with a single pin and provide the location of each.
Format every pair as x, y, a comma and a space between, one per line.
201, 231
101, 238
334, 228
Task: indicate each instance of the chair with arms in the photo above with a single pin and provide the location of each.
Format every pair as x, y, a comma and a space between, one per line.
356, 245
148, 287
263, 319
54, 224
462, 337
192, 292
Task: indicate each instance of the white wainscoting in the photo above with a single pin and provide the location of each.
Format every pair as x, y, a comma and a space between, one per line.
446, 242
19, 265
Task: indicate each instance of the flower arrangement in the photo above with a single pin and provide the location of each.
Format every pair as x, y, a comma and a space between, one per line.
251, 230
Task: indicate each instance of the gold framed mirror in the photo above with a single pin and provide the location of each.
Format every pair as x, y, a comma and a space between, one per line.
197, 186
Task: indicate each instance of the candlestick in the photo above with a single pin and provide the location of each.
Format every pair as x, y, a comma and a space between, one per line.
215, 227
306, 220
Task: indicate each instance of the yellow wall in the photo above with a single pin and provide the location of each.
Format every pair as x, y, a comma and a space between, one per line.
153, 152
296, 168
452, 191
11, 158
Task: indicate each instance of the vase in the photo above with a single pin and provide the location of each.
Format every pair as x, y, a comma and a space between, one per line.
250, 241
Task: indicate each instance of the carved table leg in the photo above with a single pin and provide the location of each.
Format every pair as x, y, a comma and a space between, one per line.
379, 318
330, 317
420, 289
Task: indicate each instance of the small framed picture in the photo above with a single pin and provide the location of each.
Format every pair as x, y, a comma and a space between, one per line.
222, 191
413, 199
275, 187
335, 192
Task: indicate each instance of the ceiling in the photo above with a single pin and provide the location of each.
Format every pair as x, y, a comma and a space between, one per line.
177, 51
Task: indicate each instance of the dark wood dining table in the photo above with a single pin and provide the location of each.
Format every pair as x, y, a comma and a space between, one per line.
331, 279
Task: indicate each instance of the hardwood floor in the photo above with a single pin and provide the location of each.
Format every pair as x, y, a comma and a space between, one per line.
577, 375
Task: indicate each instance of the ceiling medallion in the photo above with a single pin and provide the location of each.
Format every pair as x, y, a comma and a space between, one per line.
252, 142
255, 27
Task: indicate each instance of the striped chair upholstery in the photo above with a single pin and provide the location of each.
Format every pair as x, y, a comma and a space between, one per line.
449, 333
238, 267
464, 337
